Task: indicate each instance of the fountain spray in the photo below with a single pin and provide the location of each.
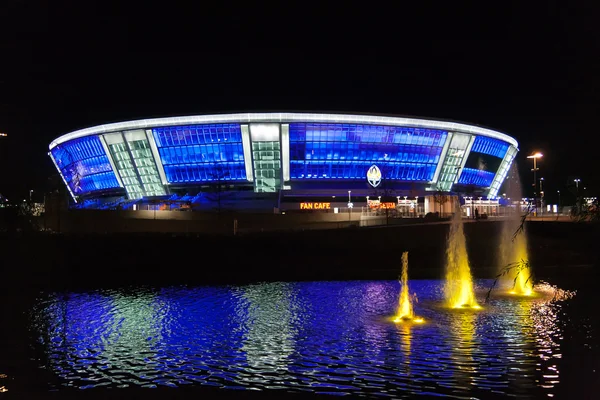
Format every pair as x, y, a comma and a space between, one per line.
459, 282
513, 244
405, 308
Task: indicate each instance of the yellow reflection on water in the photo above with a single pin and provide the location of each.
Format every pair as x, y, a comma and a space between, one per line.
463, 327
458, 289
406, 333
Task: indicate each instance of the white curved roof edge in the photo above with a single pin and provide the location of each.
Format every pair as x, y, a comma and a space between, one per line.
283, 117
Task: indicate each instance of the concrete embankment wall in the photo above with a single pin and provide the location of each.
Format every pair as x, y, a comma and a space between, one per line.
357, 253
99, 221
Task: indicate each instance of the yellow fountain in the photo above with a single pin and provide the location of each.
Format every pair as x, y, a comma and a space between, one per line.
513, 245
405, 308
518, 276
459, 283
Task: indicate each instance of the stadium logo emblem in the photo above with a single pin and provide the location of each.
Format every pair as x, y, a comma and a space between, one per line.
374, 175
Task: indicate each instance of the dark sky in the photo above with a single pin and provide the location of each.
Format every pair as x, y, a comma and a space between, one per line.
530, 71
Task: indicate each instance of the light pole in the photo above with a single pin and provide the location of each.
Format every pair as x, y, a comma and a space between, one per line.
558, 191
534, 170
30, 193
541, 195
416, 206
578, 201
349, 206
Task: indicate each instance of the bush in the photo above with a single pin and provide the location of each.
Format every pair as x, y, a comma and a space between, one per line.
432, 216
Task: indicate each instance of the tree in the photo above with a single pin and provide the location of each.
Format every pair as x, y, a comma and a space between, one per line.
218, 175
586, 211
385, 190
441, 198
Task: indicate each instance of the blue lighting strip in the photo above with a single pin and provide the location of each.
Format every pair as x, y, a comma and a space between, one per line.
201, 153
346, 151
471, 176
493, 147
84, 165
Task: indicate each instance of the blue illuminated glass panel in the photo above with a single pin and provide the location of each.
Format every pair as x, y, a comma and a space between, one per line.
84, 165
201, 153
346, 151
472, 176
492, 147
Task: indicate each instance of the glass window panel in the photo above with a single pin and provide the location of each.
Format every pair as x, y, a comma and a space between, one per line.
204, 153
490, 146
84, 165
471, 176
393, 148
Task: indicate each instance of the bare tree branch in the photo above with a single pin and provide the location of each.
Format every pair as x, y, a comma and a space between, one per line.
519, 266
521, 227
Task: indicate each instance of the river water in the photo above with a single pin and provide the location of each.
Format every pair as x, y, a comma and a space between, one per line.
317, 337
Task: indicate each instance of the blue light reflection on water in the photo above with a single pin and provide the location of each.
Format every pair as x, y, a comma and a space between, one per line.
315, 336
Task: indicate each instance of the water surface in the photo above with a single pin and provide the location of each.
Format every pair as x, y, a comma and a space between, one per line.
321, 337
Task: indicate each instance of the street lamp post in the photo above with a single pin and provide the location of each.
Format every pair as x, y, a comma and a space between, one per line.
559, 209
349, 206
541, 195
416, 206
577, 184
578, 201
535, 169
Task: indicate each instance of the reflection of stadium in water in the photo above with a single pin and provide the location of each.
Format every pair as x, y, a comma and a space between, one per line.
317, 336
268, 314
118, 332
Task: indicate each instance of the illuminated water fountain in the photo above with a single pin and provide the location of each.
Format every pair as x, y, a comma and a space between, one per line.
518, 277
513, 247
405, 308
458, 289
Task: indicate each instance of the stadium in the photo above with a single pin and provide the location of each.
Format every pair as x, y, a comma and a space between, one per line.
281, 162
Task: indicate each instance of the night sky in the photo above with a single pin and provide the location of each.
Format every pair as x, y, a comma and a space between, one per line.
532, 72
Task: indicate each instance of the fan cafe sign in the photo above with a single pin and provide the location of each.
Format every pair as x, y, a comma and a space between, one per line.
374, 175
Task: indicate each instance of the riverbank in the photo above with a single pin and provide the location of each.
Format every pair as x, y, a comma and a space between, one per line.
564, 254
43, 261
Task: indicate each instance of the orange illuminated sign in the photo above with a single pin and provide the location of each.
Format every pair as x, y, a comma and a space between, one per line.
377, 204
315, 206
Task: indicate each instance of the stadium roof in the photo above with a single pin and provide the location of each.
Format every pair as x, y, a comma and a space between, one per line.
286, 117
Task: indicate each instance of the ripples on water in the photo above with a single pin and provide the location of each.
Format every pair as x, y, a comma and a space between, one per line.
309, 336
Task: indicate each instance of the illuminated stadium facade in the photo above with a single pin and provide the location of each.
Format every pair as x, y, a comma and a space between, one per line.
281, 159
